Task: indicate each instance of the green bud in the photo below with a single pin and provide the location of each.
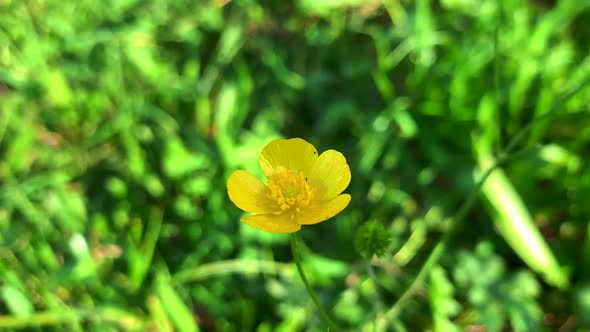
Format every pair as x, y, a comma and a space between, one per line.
372, 239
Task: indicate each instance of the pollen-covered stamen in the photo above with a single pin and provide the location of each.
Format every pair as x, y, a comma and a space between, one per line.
289, 189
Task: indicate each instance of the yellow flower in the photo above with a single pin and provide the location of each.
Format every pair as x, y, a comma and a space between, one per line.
303, 188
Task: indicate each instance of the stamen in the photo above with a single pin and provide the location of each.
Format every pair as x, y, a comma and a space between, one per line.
290, 189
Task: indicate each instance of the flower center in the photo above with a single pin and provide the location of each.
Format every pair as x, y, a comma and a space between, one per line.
289, 189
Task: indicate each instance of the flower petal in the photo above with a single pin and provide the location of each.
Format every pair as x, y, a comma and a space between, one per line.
273, 223
330, 173
323, 211
294, 154
249, 193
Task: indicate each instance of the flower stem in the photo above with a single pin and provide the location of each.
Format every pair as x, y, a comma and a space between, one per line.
297, 258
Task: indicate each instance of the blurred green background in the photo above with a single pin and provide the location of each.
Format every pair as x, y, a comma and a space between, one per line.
120, 121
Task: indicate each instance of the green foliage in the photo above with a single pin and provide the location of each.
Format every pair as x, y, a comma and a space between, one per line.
443, 305
496, 296
120, 122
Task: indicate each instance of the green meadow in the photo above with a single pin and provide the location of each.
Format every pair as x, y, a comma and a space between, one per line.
465, 123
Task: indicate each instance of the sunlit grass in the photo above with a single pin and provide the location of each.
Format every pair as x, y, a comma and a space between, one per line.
121, 121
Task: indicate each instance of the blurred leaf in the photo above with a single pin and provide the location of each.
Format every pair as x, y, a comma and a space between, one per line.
225, 124
517, 227
141, 249
159, 314
444, 307
16, 301
348, 308
324, 7
179, 162
230, 43
178, 312
59, 91
496, 295
136, 158
583, 304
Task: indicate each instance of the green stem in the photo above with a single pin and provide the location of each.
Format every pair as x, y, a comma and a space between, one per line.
497, 74
126, 320
240, 266
297, 258
378, 306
